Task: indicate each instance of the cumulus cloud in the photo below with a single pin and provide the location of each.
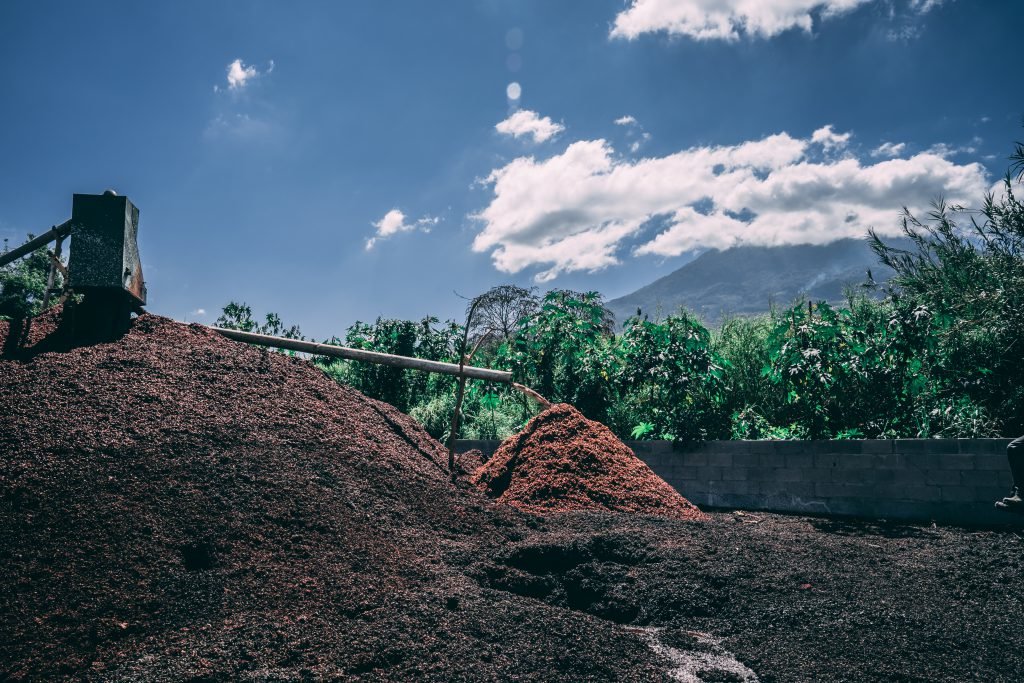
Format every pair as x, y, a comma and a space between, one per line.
732, 19
998, 189
576, 210
240, 75
829, 139
627, 120
529, 123
889, 149
395, 222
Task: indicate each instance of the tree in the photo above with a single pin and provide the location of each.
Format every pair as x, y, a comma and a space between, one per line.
499, 312
238, 316
23, 284
965, 273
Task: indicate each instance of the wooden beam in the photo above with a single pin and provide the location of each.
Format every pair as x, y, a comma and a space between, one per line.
348, 353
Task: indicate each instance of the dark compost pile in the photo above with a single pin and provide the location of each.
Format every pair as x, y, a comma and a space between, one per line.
561, 461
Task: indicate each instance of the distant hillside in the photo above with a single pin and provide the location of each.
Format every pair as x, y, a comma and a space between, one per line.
747, 280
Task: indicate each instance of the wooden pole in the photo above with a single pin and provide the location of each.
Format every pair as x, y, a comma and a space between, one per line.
52, 275
50, 235
467, 371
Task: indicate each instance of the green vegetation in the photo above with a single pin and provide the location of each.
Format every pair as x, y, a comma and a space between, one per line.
935, 353
23, 284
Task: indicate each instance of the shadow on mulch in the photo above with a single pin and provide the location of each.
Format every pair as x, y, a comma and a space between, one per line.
57, 330
864, 528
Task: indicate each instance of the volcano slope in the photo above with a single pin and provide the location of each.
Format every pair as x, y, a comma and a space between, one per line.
177, 506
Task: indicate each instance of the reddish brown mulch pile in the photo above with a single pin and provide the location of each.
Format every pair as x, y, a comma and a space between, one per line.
467, 463
177, 506
562, 461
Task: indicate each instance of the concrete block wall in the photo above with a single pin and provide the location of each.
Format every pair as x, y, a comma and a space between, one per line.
946, 480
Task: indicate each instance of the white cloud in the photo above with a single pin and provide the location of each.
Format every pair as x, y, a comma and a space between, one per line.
576, 210
829, 139
998, 189
732, 19
526, 122
239, 74
198, 312
627, 120
924, 5
395, 222
889, 149
943, 150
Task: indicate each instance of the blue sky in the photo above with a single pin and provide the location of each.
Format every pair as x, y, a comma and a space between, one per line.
271, 146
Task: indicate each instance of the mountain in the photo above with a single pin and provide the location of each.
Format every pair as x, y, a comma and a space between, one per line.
747, 280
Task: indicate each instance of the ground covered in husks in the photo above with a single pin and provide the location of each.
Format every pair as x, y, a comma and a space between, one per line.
176, 506
561, 462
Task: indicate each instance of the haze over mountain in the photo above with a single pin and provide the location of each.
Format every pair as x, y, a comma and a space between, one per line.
747, 280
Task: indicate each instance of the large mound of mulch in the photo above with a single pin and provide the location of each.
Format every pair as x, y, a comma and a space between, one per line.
561, 462
177, 506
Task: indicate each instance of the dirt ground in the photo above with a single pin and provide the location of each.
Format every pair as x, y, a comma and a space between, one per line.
791, 598
178, 507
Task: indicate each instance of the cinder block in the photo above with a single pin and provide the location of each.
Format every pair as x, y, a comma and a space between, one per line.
881, 446
956, 462
942, 477
788, 447
846, 461
816, 474
801, 460
855, 507
788, 474
991, 462
934, 446
741, 487
959, 494
915, 492
842, 446
772, 459
738, 501
984, 446
863, 476
697, 459
684, 473
763, 447
831, 490
982, 478
718, 459
784, 488
735, 473
910, 475
919, 459
709, 473
890, 460
746, 459
688, 488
